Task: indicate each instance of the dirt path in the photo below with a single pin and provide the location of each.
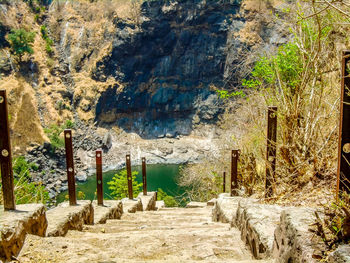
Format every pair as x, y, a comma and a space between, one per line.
171, 235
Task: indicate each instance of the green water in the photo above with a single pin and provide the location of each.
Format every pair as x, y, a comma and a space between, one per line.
162, 176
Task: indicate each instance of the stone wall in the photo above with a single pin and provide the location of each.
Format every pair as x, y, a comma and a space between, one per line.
272, 231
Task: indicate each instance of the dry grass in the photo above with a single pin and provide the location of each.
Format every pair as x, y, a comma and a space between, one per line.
307, 125
24, 119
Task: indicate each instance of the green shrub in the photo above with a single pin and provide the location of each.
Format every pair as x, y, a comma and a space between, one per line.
21, 42
25, 190
48, 40
119, 185
69, 124
169, 201
54, 133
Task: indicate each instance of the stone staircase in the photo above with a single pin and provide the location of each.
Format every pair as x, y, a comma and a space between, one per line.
166, 235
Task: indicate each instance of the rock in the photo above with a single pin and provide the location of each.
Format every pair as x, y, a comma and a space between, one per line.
160, 204
131, 206
63, 188
65, 217
15, 225
81, 176
225, 208
196, 204
293, 242
340, 255
176, 86
111, 209
107, 142
211, 202
258, 223
148, 201
243, 203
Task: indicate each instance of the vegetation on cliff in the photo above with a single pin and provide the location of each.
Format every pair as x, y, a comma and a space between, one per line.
301, 79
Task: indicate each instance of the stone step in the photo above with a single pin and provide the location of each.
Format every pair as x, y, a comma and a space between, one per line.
167, 235
65, 217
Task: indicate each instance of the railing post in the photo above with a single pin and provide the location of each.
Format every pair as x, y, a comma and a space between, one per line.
70, 166
271, 150
224, 182
144, 176
129, 176
234, 172
343, 171
99, 180
6, 155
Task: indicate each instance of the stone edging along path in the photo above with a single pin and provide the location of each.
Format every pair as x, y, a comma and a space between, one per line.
272, 231
34, 219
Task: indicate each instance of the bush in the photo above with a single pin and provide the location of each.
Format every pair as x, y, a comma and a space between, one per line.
119, 185
22, 167
169, 201
48, 40
25, 190
21, 42
54, 133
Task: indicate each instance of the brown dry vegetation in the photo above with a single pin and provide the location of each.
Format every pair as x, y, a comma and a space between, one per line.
307, 120
38, 99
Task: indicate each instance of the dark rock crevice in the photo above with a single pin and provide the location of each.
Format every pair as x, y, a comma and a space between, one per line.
167, 67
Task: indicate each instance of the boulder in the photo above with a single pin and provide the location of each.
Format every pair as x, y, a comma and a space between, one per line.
107, 141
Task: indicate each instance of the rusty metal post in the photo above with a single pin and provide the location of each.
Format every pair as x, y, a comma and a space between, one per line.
144, 176
271, 150
70, 166
99, 180
129, 176
6, 155
234, 172
343, 172
224, 182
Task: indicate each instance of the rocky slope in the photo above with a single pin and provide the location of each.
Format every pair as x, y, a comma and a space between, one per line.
128, 73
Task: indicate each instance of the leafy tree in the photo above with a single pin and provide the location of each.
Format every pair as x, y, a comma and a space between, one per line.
21, 42
119, 185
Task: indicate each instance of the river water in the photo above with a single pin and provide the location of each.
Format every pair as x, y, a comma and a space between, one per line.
162, 176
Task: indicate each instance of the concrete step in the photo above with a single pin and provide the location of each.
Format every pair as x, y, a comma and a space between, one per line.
167, 235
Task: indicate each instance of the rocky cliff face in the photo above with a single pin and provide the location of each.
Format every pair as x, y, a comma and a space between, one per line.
167, 66
119, 68
165, 60
151, 68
